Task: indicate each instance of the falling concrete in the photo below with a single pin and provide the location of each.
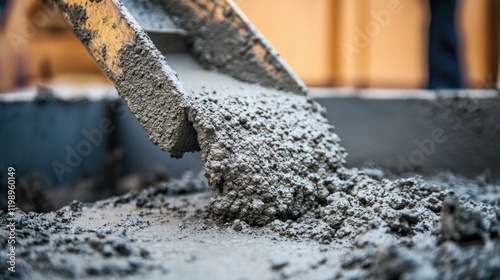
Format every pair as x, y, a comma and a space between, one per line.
282, 205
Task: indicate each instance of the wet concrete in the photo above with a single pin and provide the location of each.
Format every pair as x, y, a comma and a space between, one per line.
156, 99
283, 204
168, 232
277, 202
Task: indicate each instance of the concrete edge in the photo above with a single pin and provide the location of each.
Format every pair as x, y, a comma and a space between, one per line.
421, 94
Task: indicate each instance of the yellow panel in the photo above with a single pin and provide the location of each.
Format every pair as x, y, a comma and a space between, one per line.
399, 46
300, 30
328, 40
477, 43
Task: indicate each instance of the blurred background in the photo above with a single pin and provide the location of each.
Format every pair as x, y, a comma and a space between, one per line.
328, 43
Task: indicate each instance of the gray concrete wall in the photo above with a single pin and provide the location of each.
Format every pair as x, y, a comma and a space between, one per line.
424, 133
49, 139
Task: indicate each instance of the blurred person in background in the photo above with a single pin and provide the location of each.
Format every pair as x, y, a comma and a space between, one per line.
3, 4
443, 58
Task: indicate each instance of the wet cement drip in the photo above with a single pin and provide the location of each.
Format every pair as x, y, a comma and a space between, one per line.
272, 157
267, 154
272, 160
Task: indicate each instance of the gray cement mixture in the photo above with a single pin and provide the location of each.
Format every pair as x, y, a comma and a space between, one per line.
282, 205
168, 232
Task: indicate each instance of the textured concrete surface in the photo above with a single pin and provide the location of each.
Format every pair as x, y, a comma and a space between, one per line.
168, 232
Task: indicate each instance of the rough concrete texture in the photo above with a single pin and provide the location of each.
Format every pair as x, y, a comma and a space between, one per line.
252, 140
267, 154
155, 98
271, 160
151, 16
168, 232
139, 71
283, 206
219, 36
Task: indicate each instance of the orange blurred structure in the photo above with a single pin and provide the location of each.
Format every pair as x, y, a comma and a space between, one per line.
342, 43
37, 47
320, 40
